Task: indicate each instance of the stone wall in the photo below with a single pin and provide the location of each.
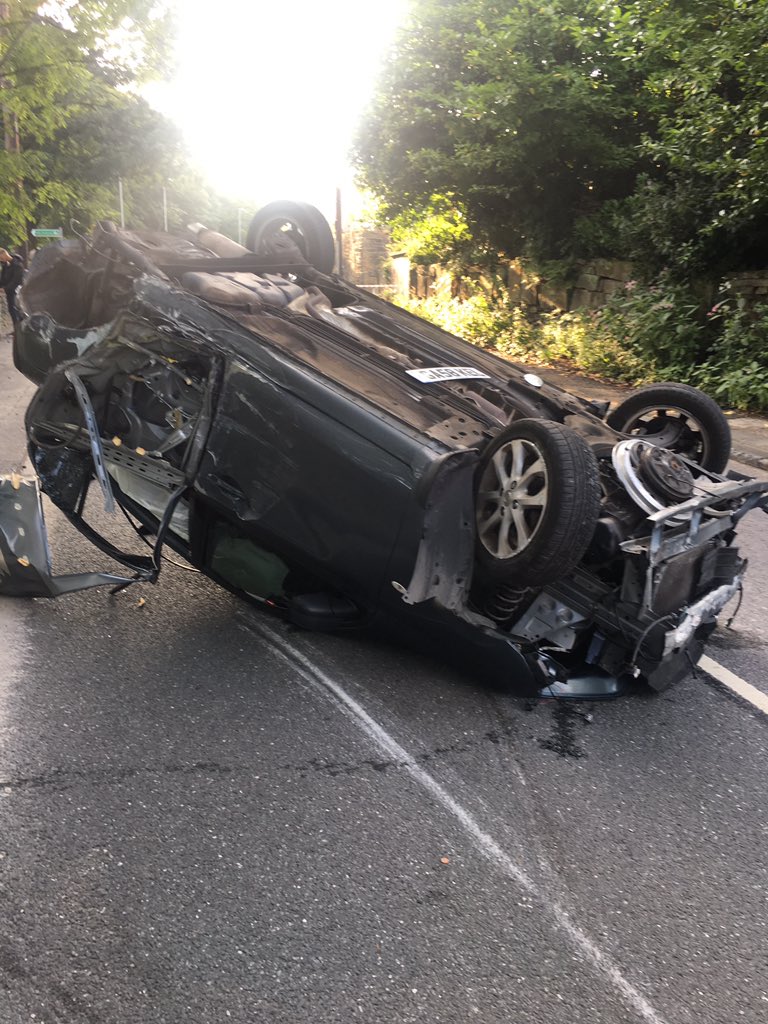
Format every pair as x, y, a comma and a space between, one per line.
595, 283
366, 258
598, 280
752, 286
424, 279
368, 263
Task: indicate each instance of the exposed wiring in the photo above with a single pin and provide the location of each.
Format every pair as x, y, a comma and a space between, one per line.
50, 446
90, 245
142, 537
644, 634
738, 606
165, 523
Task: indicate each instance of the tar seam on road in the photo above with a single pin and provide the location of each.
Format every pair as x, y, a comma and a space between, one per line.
482, 841
735, 683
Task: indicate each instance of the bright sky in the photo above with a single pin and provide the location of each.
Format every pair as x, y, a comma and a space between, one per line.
269, 94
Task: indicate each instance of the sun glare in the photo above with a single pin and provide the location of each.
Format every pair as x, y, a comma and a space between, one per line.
268, 95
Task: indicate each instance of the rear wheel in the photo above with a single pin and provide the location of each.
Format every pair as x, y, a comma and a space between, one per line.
537, 502
680, 418
286, 221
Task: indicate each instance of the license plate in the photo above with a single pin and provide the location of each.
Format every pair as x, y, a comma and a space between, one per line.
436, 374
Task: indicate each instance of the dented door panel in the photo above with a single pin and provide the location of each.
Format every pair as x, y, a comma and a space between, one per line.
305, 483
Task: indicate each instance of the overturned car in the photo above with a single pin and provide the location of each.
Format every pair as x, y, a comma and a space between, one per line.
327, 454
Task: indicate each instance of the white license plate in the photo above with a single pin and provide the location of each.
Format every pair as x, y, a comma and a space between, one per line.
436, 374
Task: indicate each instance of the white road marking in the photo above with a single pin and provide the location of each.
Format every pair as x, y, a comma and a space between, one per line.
735, 683
482, 841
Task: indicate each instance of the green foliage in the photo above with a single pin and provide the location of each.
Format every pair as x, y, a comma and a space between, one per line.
578, 128
510, 107
646, 334
109, 135
515, 332
69, 131
703, 207
736, 370
582, 341
439, 234
478, 319
660, 321
663, 332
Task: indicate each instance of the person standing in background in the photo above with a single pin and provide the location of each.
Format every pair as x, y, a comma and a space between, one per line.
11, 277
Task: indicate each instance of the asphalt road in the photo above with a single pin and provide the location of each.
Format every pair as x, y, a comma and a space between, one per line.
208, 816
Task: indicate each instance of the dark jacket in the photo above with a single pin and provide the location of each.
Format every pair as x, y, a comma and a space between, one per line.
12, 273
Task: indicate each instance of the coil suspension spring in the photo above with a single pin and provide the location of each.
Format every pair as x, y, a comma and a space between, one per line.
502, 604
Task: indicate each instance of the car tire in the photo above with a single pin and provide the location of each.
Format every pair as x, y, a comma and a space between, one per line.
697, 428
303, 224
537, 503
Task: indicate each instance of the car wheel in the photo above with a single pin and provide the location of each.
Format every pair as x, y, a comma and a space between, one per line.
680, 418
537, 502
301, 223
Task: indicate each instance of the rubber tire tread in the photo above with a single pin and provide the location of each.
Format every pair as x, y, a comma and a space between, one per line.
571, 515
701, 407
318, 242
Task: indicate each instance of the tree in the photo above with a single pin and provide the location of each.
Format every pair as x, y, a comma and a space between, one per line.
513, 109
53, 67
703, 209
568, 129
113, 135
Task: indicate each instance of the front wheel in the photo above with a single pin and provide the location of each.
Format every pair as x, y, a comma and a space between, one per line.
680, 418
537, 502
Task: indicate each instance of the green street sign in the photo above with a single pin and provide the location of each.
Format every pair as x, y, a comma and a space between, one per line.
47, 233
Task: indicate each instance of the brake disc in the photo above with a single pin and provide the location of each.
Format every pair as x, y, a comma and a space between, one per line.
653, 477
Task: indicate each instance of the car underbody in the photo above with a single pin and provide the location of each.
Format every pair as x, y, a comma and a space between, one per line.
333, 458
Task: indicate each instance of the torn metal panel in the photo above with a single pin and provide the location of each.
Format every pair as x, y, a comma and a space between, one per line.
97, 452
443, 567
25, 559
40, 343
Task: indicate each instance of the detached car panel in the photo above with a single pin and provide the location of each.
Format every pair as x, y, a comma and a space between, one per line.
321, 451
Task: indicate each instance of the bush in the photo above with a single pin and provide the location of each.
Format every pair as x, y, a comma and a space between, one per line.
736, 369
646, 333
518, 333
584, 340
662, 323
480, 319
